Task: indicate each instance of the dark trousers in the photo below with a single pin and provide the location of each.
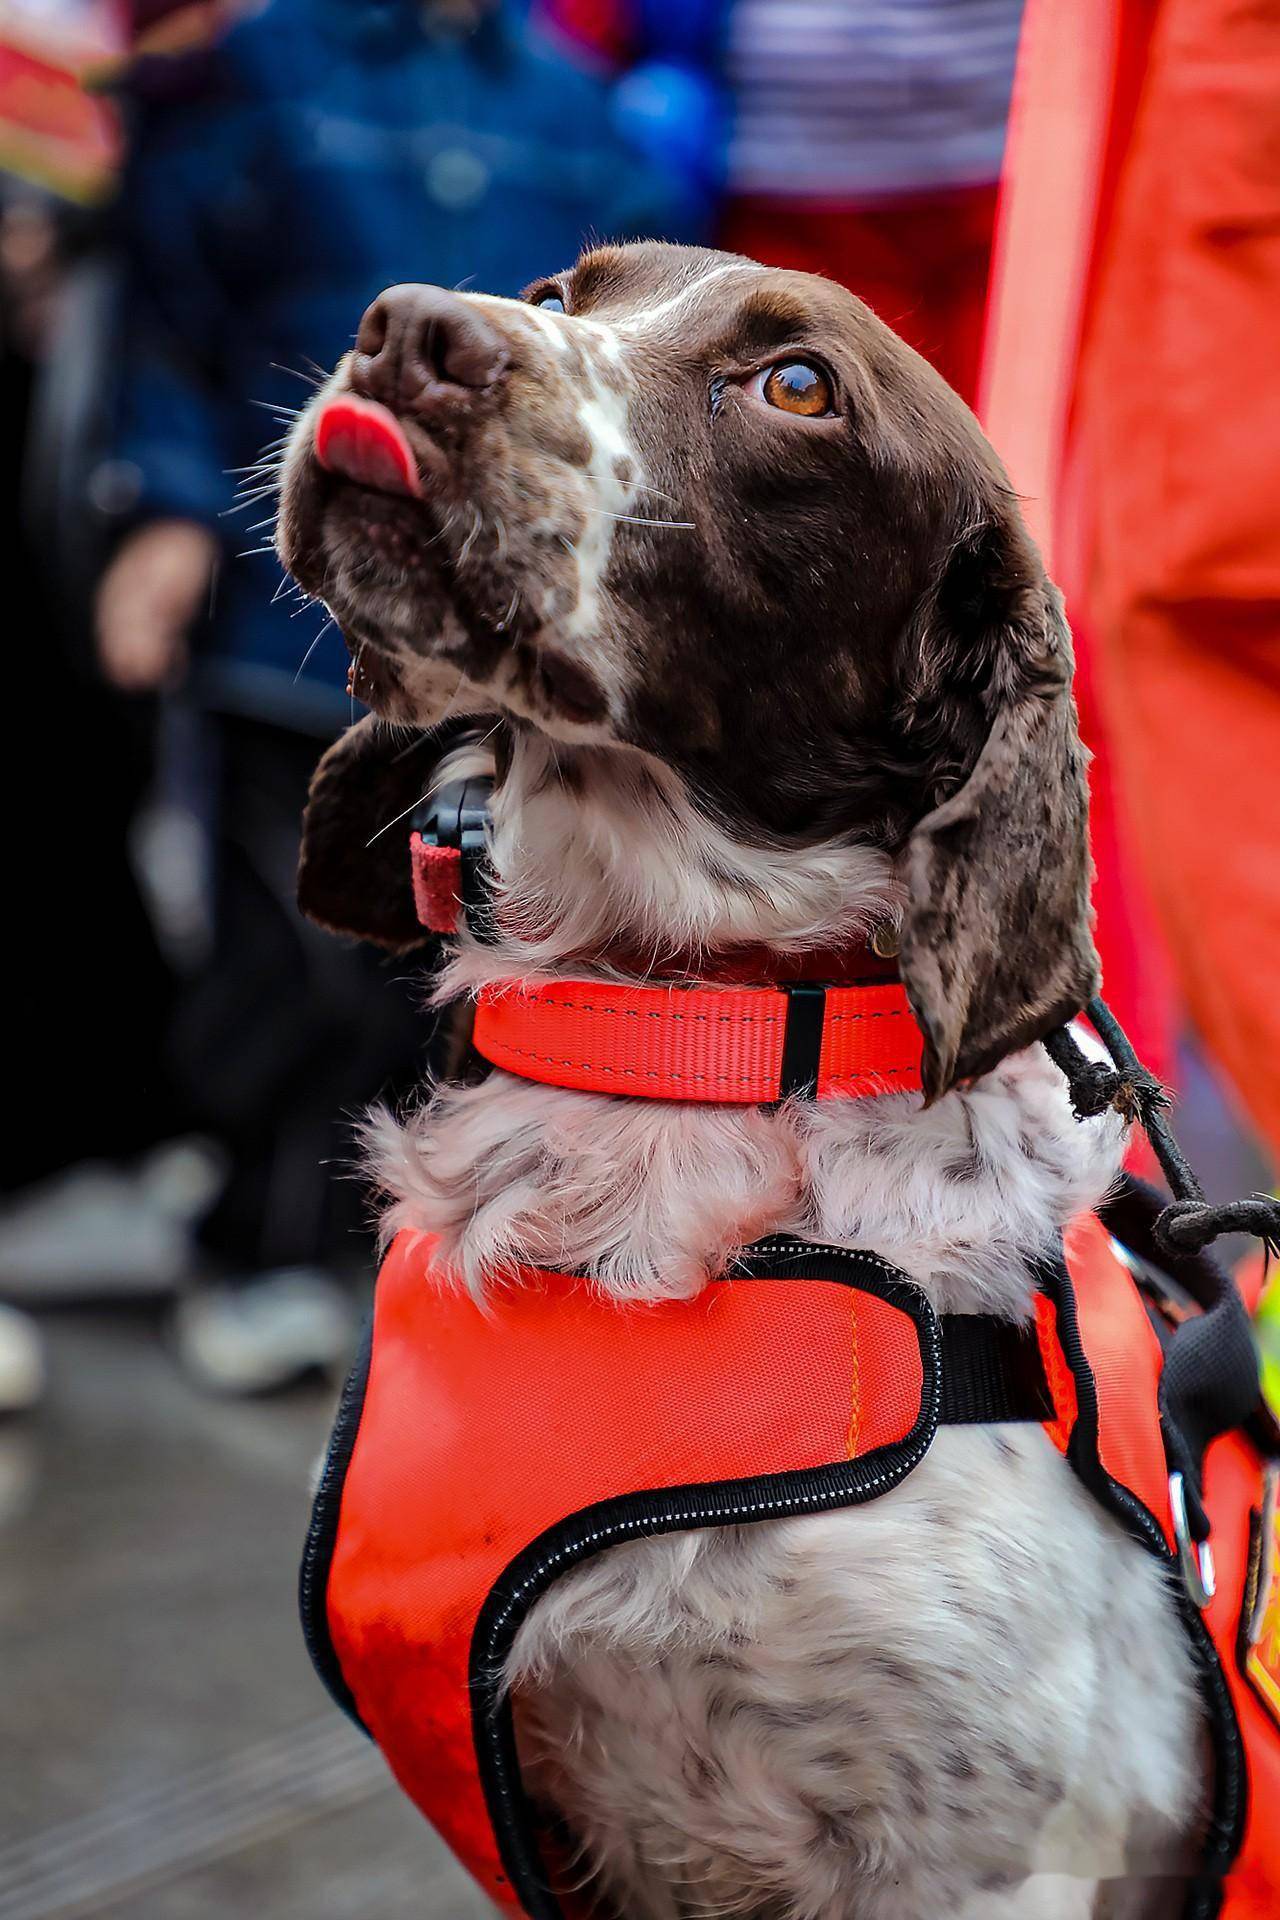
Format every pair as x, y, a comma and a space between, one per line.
288, 1033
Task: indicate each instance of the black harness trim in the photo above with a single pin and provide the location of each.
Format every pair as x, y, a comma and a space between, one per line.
322, 1534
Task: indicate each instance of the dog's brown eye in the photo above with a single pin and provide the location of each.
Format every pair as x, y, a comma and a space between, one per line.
796, 386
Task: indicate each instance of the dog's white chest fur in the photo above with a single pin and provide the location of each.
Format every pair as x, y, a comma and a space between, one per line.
969, 1697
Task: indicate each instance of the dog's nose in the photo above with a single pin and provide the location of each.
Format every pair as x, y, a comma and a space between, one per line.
420, 349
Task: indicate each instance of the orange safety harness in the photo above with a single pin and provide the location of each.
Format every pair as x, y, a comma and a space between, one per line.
480, 1453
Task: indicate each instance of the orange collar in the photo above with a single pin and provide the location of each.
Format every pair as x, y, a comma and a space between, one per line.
831, 1026
739, 1045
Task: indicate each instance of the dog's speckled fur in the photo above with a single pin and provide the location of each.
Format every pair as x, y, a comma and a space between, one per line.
834, 693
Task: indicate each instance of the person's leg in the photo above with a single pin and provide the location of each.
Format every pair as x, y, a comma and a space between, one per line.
285, 1038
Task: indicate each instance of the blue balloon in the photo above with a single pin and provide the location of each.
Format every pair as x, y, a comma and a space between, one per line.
674, 114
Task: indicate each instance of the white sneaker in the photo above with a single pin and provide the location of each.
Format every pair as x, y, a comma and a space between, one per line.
22, 1368
265, 1334
96, 1229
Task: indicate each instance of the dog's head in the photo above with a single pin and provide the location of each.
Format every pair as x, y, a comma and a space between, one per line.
676, 505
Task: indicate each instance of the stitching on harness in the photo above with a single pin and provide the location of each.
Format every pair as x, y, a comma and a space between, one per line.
855, 1383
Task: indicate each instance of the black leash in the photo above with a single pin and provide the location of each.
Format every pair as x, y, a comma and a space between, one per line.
1209, 1385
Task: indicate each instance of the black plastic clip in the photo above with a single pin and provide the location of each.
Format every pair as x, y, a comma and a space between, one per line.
457, 815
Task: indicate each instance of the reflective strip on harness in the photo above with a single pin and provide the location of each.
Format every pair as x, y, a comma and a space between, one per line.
728, 1044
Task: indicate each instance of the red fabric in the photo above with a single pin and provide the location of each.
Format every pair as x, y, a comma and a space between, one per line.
436, 873
1132, 358
481, 1428
1058, 1375
693, 1043
1079, 73
1179, 412
920, 261
1125, 1359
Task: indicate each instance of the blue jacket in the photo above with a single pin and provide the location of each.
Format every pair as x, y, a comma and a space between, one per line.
332, 148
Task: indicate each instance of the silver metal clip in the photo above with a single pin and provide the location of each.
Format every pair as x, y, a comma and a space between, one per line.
1198, 1573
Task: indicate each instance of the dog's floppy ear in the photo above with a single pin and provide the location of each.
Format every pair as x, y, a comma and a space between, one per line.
997, 943
353, 873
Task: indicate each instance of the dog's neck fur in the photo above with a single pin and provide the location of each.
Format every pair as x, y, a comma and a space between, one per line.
599, 851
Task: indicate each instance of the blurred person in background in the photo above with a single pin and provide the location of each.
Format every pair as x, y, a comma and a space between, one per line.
867, 145
860, 142
326, 149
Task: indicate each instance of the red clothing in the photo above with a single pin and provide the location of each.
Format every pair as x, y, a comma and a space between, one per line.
1144, 186
918, 260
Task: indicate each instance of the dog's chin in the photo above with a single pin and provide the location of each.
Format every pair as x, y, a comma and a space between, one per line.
425, 644
543, 688
427, 663
530, 682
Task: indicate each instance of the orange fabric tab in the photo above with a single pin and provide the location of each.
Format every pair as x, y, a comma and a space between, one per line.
694, 1043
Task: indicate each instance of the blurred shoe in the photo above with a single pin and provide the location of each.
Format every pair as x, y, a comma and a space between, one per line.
266, 1334
97, 1229
22, 1369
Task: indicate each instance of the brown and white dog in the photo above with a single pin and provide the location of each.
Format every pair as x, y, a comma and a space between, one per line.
770, 660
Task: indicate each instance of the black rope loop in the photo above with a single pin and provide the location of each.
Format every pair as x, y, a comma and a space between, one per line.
1209, 1382
1189, 1226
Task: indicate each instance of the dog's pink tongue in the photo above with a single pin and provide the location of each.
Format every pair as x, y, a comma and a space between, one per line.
364, 442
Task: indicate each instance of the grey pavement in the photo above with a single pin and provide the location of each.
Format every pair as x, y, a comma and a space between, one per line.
168, 1752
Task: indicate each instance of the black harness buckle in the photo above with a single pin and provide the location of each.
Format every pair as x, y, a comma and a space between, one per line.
457, 815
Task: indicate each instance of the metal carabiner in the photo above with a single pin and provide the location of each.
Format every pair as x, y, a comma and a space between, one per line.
1198, 1573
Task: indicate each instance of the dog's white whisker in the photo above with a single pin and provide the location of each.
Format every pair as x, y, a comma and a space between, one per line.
638, 486
251, 498
302, 667
639, 520
308, 379
471, 538
417, 802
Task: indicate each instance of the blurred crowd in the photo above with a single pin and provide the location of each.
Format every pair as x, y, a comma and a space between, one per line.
197, 201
